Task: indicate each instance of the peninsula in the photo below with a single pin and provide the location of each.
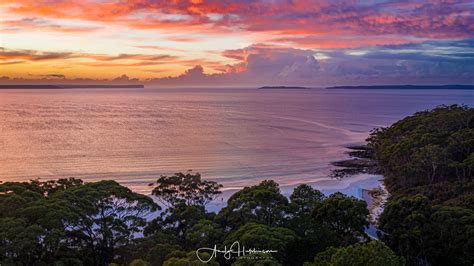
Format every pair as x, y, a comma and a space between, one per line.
406, 87
70, 86
283, 88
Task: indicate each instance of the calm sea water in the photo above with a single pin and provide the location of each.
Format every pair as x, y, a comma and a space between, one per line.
237, 137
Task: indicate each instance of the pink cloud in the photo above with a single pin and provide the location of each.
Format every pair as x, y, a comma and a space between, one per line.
300, 18
259, 65
37, 24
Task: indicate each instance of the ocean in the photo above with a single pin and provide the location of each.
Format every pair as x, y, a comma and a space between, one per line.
236, 137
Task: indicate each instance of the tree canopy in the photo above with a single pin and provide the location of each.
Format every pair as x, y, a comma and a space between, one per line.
347, 216
372, 253
262, 203
68, 221
427, 160
427, 147
185, 188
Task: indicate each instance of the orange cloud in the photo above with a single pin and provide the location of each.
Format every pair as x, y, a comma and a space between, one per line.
298, 17
279, 26
36, 24
160, 48
31, 55
141, 62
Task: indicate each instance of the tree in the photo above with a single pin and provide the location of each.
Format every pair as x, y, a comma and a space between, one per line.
429, 159
139, 262
263, 237
159, 253
264, 259
204, 234
304, 199
317, 239
52, 186
407, 227
32, 227
186, 189
461, 143
424, 233
147, 250
453, 238
19, 241
346, 215
464, 168
372, 253
107, 216
173, 224
427, 147
191, 259
261, 203
15, 195
313, 237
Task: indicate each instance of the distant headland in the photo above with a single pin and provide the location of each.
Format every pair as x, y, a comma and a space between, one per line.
406, 87
283, 88
70, 86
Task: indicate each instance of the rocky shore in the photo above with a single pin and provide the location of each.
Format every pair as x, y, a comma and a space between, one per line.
361, 162
376, 199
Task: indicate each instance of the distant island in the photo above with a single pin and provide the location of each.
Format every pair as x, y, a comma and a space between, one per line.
406, 87
283, 88
70, 86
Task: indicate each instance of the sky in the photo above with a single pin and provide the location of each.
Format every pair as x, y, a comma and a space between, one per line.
237, 43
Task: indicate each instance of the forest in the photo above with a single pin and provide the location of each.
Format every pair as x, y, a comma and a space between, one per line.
427, 160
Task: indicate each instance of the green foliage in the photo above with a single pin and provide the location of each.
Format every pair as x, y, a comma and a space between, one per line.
190, 259
372, 253
174, 223
457, 194
15, 195
428, 147
428, 163
347, 216
107, 215
305, 199
313, 237
303, 248
421, 232
139, 262
262, 237
261, 259
32, 227
204, 234
67, 221
407, 222
262, 203
159, 253
188, 189
453, 235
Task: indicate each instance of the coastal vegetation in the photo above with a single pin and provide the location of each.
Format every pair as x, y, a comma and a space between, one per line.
428, 163
69, 222
427, 160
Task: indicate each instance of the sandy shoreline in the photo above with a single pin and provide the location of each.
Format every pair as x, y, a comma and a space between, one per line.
376, 199
351, 185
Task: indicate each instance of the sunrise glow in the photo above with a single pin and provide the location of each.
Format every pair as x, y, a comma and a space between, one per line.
237, 42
